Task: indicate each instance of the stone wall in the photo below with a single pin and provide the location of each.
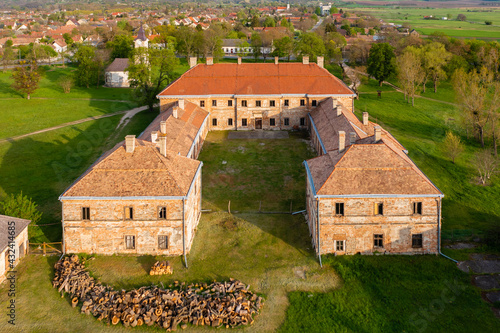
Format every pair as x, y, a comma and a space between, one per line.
226, 117
359, 224
117, 79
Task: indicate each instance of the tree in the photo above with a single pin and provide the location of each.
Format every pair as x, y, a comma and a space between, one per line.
334, 10
213, 42
269, 22
186, 38
256, 43
255, 22
242, 47
452, 145
8, 56
66, 83
20, 206
150, 70
67, 38
317, 11
310, 44
410, 72
101, 58
434, 58
461, 17
471, 93
486, 165
121, 46
283, 47
9, 43
86, 73
334, 42
26, 78
380, 62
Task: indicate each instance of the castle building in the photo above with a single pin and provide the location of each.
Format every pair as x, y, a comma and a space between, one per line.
265, 96
363, 194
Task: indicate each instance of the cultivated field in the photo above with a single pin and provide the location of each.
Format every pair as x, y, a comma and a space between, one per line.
414, 17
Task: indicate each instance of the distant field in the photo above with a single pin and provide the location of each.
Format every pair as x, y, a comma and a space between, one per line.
414, 18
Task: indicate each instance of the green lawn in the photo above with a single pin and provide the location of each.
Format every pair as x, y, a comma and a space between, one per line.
421, 129
392, 294
44, 165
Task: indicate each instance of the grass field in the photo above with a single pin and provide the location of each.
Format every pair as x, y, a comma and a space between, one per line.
414, 18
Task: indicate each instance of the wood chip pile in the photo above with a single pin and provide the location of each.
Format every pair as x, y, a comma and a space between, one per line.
160, 268
228, 304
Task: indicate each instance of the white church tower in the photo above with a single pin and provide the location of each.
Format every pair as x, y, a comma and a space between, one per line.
141, 40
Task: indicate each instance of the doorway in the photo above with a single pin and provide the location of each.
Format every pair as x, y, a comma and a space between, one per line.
258, 123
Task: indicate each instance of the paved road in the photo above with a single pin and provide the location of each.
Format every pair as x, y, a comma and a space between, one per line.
316, 26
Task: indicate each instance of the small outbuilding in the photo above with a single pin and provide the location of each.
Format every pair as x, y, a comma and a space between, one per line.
13, 237
117, 74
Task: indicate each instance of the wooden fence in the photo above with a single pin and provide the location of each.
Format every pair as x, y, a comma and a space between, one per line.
46, 248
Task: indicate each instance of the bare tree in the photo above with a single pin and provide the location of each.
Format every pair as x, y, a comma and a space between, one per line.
410, 73
452, 146
66, 83
486, 165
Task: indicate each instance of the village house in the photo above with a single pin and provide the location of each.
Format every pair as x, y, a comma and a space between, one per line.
256, 96
364, 194
116, 74
19, 227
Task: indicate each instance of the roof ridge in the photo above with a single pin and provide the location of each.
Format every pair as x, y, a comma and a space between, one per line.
334, 166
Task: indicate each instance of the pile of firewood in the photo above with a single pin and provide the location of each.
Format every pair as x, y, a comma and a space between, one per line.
228, 304
160, 268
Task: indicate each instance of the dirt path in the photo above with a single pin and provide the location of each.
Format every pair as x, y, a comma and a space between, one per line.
125, 119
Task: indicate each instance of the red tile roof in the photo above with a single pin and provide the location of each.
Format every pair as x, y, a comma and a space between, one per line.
145, 172
256, 79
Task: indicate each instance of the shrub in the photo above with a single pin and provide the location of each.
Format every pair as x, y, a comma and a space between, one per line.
20, 206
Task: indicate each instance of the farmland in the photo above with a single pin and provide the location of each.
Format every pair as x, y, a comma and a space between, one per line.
414, 17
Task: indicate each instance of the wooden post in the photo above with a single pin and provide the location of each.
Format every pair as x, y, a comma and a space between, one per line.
260, 206
229, 207
291, 201
44, 251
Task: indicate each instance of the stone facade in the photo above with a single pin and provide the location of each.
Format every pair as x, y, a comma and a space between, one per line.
117, 80
21, 243
107, 227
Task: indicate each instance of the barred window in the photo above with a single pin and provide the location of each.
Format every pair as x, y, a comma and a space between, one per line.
378, 240
416, 241
129, 213
272, 122
162, 213
130, 242
85, 213
339, 208
163, 242
417, 208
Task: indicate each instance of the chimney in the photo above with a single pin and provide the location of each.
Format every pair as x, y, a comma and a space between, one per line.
154, 136
163, 145
210, 60
130, 143
305, 60
276, 60
180, 104
365, 118
341, 141
378, 133
175, 112
321, 62
192, 61
352, 138
239, 60
339, 110
163, 127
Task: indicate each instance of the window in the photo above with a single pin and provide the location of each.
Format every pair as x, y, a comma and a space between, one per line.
417, 208
130, 242
258, 103
339, 208
244, 103
272, 122
286, 102
162, 213
272, 103
378, 240
214, 121
162, 242
202, 104
214, 102
416, 241
85, 213
302, 102
379, 208
287, 121
339, 245
230, 102
244, 122
314, 102
230, 121
302, 121
129, 213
